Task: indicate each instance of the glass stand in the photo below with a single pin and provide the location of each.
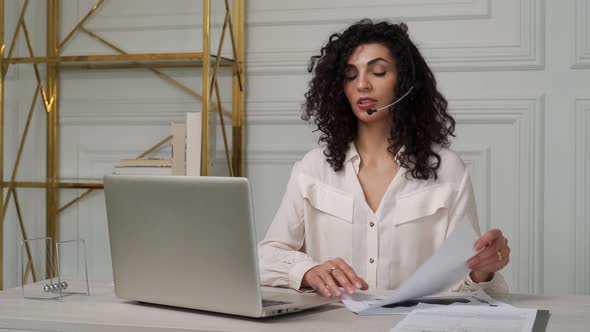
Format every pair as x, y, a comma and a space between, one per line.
69, 274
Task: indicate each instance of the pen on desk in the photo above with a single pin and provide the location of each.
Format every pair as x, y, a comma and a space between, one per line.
484, 301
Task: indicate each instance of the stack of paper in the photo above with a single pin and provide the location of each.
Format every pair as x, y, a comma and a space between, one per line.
444, 269
476, 298
468, 319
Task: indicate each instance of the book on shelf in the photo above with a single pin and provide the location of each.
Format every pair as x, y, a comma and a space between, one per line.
186, 150
151, 166
146, 162
194, 121
142, 170
193, 143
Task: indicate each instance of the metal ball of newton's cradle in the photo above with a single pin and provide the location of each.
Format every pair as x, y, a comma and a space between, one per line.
55, 287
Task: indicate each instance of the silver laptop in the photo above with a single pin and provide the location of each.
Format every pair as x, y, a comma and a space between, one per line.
190, 242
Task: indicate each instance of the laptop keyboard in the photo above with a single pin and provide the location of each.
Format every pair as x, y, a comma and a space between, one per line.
270, 303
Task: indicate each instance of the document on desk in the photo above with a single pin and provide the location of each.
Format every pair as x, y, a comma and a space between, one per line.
475, 298
468, 319
444, 269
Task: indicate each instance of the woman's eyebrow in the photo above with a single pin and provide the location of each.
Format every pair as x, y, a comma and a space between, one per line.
376, 60
371, 62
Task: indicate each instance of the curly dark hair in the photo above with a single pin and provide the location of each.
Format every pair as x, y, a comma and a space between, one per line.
420, 121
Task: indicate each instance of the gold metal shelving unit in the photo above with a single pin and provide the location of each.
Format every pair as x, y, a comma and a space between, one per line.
49, 92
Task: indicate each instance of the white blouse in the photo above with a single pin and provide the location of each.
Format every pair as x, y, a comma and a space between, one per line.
324, 215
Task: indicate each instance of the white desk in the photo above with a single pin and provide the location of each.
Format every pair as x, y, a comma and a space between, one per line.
102, 311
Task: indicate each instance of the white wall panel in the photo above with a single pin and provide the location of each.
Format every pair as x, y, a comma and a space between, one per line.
516, 180
581, 236
581, 17
269, 12
127, 111
151, 15
511, 37
477, 160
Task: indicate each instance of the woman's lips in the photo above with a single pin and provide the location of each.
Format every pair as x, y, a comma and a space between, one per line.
366, 104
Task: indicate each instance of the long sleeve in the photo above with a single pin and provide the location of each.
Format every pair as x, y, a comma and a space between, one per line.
465, 206
281, 262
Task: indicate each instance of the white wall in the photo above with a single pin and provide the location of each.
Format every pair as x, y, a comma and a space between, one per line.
515, 73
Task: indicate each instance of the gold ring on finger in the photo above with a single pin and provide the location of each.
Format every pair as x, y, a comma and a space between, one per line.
499, 253
332, 269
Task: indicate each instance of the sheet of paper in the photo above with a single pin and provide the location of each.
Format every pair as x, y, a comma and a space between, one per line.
475, 298
468, 319
445, 268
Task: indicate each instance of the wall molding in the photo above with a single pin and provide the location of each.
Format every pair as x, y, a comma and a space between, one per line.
308, 12
487, 109
90, 157
120, 113
285, 157
582, 35
581, 235
178, 18
274, 112
526, 54
527, 116
126, 111
477, 160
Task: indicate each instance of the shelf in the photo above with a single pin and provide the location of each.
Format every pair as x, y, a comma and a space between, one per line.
62, 183
116, 61
48, 89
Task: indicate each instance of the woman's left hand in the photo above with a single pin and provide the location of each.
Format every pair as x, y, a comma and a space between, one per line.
493, 258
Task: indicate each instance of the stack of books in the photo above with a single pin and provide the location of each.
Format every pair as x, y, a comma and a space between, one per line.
186, 151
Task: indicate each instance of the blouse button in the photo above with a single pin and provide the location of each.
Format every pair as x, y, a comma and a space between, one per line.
371, 224
371, 260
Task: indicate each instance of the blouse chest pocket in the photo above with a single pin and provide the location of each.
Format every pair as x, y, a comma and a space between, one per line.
328, 222
420, 224
423, 205
330, 201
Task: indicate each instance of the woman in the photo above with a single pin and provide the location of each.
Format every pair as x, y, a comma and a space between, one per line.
375, 201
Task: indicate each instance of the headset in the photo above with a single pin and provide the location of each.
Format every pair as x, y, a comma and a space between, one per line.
373, 110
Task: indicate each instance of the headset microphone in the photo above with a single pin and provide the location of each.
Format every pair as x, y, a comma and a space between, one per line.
371, 111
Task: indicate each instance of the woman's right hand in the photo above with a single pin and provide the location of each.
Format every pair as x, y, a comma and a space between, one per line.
330, 275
